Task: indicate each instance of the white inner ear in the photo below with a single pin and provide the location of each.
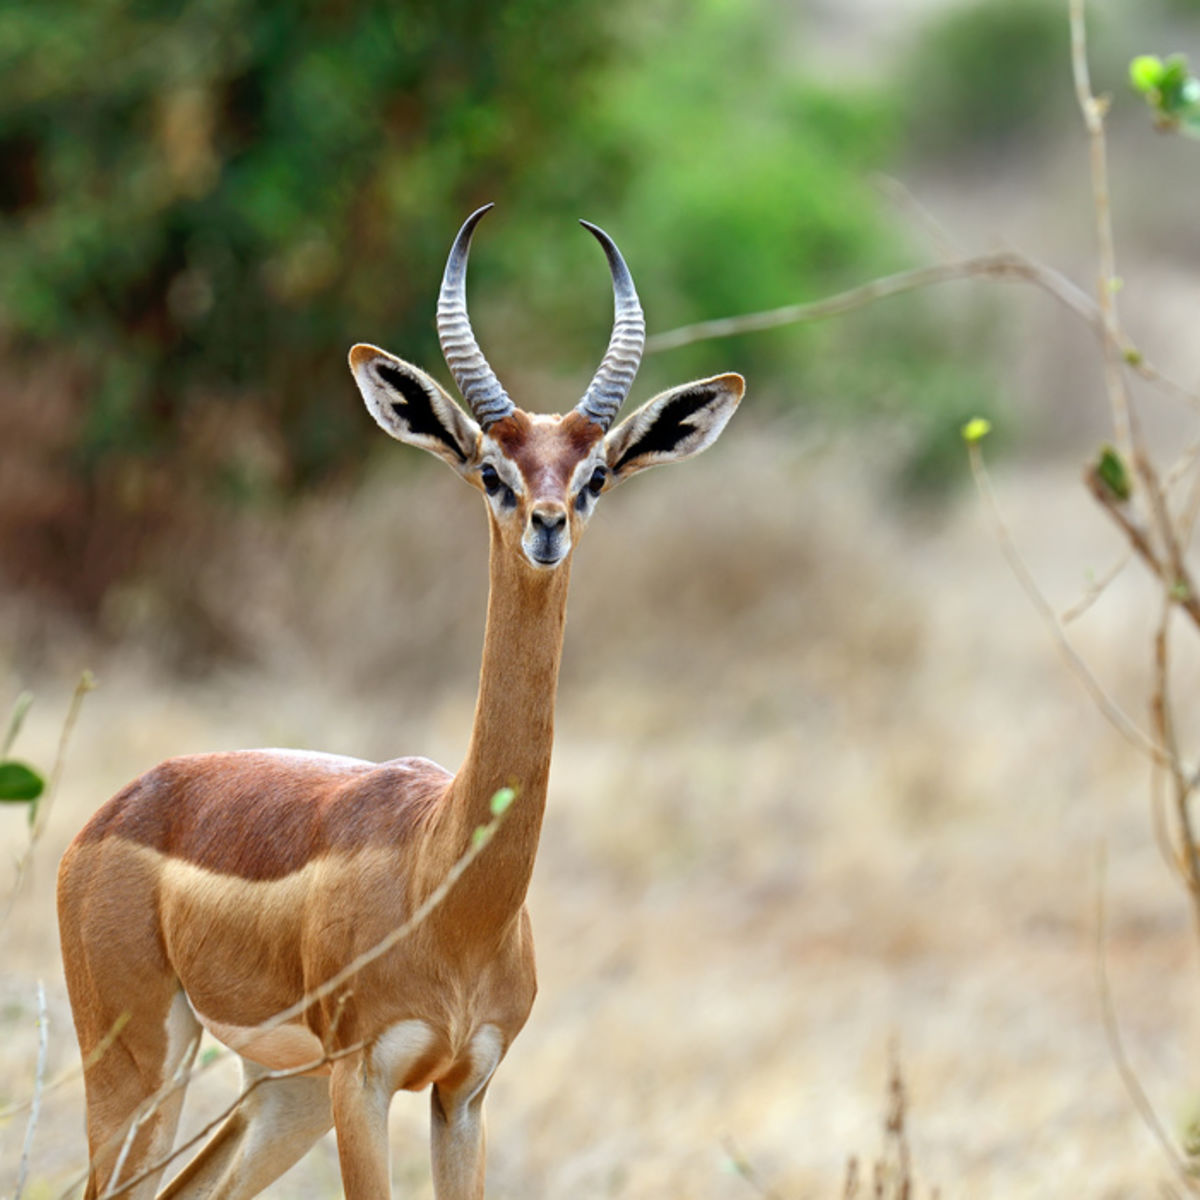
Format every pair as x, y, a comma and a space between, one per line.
413, 407
695, 413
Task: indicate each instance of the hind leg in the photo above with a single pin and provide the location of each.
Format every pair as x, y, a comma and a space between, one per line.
132, 1111
266, 1134
135, 1026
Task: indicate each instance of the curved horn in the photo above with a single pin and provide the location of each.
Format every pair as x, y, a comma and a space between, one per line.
476, 380
608, 390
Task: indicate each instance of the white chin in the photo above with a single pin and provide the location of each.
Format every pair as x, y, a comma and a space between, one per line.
543, 564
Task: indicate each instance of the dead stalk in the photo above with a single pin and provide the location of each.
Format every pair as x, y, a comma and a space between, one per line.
35, 1107
1112, 711
1093, 111
1116, 1045
86, 684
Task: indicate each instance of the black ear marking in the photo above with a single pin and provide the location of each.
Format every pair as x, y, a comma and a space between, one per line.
416, 409
672, 425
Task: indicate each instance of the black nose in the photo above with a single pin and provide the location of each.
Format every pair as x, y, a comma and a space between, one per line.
547, 522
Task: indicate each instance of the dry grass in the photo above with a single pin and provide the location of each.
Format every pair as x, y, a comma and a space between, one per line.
819, 782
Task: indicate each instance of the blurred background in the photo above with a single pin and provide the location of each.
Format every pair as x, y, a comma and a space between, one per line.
820, 781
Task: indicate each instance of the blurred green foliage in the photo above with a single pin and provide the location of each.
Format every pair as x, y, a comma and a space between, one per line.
211, 196
203, 203
984, 75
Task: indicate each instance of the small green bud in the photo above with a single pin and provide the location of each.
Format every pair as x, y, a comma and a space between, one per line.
1112, 470
501, 801
1133, 356
976, 429
1145, 73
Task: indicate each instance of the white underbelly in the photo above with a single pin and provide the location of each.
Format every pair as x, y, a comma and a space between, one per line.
284, 1048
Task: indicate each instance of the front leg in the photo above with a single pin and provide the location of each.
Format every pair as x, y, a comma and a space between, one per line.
458, 1142
457, 1136
360, 1112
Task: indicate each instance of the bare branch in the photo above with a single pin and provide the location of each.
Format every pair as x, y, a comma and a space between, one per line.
86, 684
1173, 572
1095, 590
35, 1107
1093, 117
1112, 1031
1188, 858
902, 196
744, 1169
1001, 265
1112, 711
269, 1077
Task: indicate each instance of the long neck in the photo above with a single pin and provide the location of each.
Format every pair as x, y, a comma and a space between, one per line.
511, 738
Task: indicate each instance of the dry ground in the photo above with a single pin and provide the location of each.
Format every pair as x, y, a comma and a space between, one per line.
820, 782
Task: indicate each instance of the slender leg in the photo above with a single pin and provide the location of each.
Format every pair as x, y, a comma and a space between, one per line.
119, 1085
360, 1111
458, 1142
267, 1133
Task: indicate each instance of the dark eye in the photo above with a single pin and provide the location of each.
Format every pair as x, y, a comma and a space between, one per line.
490, 478
595, 485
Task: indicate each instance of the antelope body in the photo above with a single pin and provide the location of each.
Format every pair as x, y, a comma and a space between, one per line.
218, 890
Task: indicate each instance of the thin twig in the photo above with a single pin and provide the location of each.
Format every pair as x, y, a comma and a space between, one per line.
1191, 505
151, 1108
1161, 825
35, 1108
1160, 707
1112, 1031
15, 721
1174, 574
86, 684
743, 1168
269, 1077
1112, 711
58, 1081
1000, 265
1095, 590
1093, 111
1176, 577
902, 196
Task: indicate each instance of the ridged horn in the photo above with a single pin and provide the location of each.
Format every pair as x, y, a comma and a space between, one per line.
476, 380
610, 387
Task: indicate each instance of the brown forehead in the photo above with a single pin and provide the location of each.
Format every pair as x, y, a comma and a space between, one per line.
547, 446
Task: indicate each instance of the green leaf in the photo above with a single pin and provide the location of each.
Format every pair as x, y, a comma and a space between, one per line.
1112, 470
1172, 83
1145, 72
19, 783
501, 801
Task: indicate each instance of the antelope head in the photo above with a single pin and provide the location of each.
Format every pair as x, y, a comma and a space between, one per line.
541, 475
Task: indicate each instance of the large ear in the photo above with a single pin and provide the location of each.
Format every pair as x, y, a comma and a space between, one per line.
672, 426
412, 406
